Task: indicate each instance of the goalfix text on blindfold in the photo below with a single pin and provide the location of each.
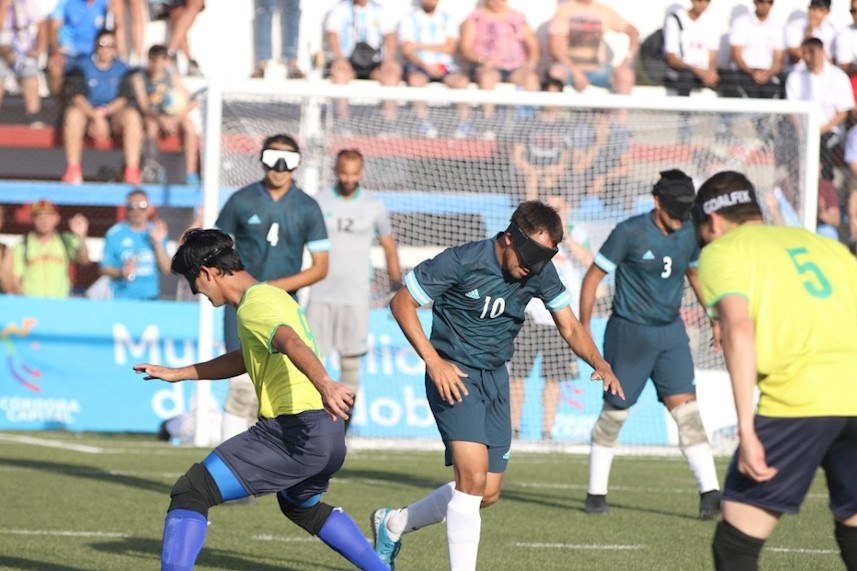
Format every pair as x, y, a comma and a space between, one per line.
280, 160
533, 256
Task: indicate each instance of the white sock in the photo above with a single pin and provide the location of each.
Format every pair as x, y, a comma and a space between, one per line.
600, 460
462, 530
431, 509
701, 462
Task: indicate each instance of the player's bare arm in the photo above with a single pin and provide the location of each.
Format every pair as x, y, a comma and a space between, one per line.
223, 367
588, 289
580, 341
316, 272
337, 398
445, 375
739, 349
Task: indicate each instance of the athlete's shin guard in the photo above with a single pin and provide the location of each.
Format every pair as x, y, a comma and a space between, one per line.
734, 550
846, 537
350, 372
694, 444
463, 527
184, 536
341, 534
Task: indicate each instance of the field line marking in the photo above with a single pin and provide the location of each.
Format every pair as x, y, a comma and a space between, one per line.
62, 533
283, 538
51, 443
606, 547
802, 550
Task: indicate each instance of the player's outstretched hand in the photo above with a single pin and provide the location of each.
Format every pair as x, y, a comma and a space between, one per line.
604, 373
447, 378
337, 398
751, 459
156, 372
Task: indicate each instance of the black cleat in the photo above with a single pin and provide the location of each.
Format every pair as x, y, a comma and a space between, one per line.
709, 504
596, 504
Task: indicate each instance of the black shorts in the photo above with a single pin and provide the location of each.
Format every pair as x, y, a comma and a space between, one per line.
796, 447
558, 360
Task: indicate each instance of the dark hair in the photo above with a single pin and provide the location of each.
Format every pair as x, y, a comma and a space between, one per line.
671, 176
349, 155
134, 191
812, 42
103, 32
211, 248
552, 82
158, 50
282, 139
534, 216
722, 184
820, 4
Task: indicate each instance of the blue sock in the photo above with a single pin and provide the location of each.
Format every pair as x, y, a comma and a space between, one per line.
184, 534
342, 535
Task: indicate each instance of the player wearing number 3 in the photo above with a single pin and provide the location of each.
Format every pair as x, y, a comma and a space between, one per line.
480, 291
645, 336
786, 300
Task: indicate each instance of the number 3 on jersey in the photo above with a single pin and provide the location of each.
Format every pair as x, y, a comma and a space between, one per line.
496, 308
668, 267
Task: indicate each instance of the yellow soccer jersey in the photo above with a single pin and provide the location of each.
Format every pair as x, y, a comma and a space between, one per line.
802, 294
280, 386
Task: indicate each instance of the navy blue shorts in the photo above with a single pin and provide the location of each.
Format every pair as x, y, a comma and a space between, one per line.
482, 416
295, 454
639, 352
796, 447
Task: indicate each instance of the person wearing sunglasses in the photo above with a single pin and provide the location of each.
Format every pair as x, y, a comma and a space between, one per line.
651, 254
299, 442
135, 253
272, 222
758, 50
479, 293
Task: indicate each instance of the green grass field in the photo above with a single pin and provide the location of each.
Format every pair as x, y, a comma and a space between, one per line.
85, 501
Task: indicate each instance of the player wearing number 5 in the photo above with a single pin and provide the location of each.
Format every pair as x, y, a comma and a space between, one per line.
645, 336
272, 221
480, 291
786, 300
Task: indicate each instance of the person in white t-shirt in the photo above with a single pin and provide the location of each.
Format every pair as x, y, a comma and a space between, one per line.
757, 47
690, 45
814, 24
845, 49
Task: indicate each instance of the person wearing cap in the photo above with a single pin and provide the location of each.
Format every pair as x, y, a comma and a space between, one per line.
272, 221
786, 301
41, 261
479, 292
651, 254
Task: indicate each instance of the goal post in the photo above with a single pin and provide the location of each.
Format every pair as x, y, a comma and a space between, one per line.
450, 167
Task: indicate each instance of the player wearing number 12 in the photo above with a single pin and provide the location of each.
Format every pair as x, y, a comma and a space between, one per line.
786, 300
645, 336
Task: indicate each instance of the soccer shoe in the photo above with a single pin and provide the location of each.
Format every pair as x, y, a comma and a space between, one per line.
709, 504
385, 547
596, 504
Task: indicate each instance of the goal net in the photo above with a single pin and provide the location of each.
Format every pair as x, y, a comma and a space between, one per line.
450, 167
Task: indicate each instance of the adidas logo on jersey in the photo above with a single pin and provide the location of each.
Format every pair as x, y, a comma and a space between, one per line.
473, 294
648, 255
254, 219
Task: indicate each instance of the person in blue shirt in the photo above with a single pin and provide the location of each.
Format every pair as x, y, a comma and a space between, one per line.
99, 91
135, 252
272, 221
651, 254
479, 291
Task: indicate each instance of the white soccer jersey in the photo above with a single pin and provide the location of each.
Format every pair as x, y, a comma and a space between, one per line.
759, 39
354, 24
695, 41
831, 89
352, 224
431, 29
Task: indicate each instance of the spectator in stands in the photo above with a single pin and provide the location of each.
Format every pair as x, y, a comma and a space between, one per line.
167, 109
135, 251
539, 153
182, 14
601, 159
361, 39
73, 30
99, 91
501, 46
428, 42
814, 24
137, 13
690, 44
576, 45
290, 23
852, 219
757, 47
23, 38
42, 260
781, 203
8, 282
821, 81
845, 49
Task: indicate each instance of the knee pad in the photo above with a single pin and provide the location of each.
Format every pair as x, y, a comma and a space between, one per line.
609, 423
689, 422
311, 517
195, 491
350, 372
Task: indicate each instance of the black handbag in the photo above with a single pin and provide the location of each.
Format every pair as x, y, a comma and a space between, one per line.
364, 59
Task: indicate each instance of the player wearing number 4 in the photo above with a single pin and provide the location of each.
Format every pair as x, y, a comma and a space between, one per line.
786, 300
480, 291
645, 336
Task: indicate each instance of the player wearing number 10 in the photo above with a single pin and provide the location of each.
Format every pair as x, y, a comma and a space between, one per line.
786, 300
645, 336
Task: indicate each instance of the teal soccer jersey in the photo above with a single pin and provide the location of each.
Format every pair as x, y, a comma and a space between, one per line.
478, 310
270, 236
650, 268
